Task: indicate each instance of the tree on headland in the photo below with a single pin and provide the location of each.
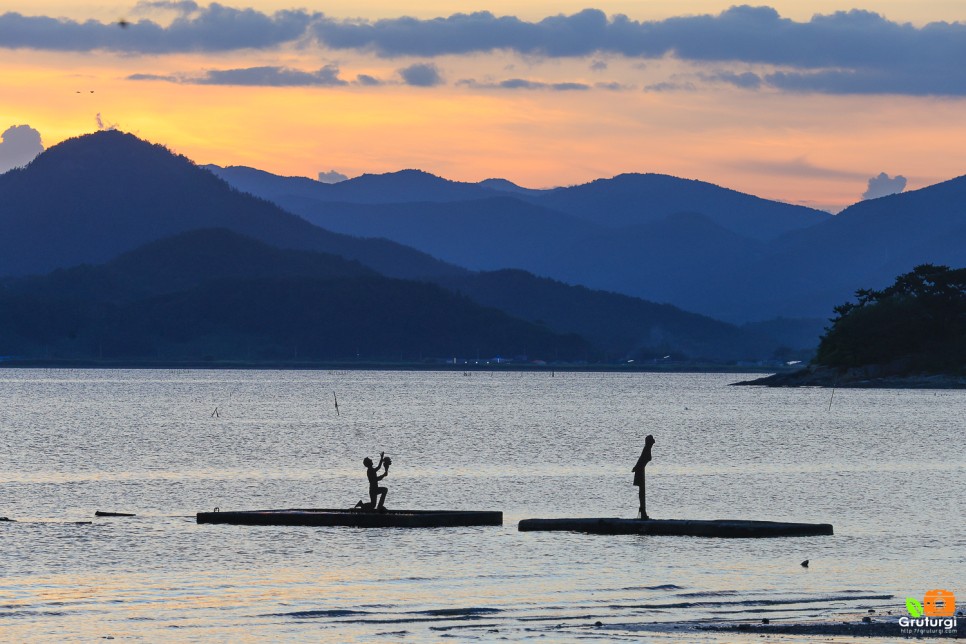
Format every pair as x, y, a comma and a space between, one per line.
916, 325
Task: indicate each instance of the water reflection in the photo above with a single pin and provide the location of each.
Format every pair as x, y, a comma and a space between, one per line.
146, 442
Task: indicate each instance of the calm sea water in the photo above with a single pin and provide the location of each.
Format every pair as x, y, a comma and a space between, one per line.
886, 467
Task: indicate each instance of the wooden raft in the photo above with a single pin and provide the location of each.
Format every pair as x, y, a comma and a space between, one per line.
356, 518
724, 528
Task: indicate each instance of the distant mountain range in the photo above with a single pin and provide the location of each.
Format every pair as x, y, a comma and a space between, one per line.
115, 248
692, 244
215, 295
90, 198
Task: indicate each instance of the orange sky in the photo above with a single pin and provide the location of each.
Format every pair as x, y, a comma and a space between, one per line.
812, 148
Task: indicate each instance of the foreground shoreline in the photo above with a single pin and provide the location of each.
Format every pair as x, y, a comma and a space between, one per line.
873, 625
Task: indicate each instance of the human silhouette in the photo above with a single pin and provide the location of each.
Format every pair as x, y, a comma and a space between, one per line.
639, 473
375, 491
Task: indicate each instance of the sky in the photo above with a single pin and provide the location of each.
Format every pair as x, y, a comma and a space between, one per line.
815, 102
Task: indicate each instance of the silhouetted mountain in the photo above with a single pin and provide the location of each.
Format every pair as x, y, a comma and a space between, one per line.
623, 201
688, 243
182, 262
650, 236
634, 199
485, 234
93, 197
624, 327
662, 261
392, 187
503, 185
215, 282
806, 273
215, 295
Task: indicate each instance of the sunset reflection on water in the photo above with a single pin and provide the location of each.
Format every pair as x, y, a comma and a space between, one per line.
526, 444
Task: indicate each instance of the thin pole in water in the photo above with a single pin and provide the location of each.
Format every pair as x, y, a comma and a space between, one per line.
831, 399
337, 413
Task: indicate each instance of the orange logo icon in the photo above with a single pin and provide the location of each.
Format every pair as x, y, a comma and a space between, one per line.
939, 603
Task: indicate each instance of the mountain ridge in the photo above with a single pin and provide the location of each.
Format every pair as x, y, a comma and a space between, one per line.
116, 192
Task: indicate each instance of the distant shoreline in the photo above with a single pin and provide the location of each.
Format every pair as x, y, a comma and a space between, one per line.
872, 377
482, 366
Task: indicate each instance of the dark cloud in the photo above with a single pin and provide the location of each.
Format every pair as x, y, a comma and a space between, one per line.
919, 82
213, 28
854, 52
744, 80
19, 144
598, 65
522, 83
327, 76
752, 34
883, 185
845, 52
613, 86
421, 75
671, 86
367, 80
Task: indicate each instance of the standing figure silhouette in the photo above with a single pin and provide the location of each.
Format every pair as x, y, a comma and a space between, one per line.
639, 473
375, 491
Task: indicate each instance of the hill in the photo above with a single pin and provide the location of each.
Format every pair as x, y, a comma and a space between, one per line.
622, 327
634, 199
90, 198
392, 187
213, 295
482, 234
918, 324
115, 192
910, 334
211, 270
806, 273
650, 236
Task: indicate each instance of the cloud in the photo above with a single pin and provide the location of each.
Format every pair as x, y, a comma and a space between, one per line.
421, 75
613, 86
744, 80
852, 51
882, 186
183, 7
846, 52
522, 83
332, 177
751, 34
367, 80
327, 76
19, 144
598, 65
671, 86
102, 125
211, 29
800, 167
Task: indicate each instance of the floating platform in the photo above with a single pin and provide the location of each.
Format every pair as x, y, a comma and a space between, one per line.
724, 528
356, 518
